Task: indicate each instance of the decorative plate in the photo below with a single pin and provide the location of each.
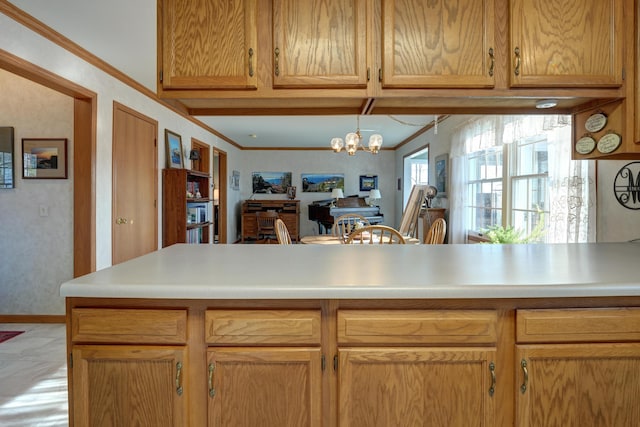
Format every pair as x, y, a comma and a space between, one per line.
609, 143
585, 145
596, 122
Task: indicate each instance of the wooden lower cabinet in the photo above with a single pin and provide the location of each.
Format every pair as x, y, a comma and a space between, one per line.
267, 387
578, 385
354, 363
125, 385
386, 387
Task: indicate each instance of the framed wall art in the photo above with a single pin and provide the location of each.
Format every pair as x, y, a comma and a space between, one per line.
321, 182
173, 143
235, 180
368, 182
7, 172
271, 182
442, 171
44, 158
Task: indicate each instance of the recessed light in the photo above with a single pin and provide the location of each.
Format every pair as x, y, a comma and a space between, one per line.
546, 103
253, 135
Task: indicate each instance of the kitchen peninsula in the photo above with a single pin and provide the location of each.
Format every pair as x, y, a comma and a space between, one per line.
313, 335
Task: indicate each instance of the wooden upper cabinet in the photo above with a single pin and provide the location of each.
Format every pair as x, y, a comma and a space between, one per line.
209, 44
319, 43
567, 43
437, 43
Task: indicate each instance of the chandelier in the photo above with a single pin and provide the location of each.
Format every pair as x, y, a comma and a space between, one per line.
353, 141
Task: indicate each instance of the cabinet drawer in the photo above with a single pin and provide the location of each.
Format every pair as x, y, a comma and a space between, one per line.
262, 327
578, 325
112, 325
417, 326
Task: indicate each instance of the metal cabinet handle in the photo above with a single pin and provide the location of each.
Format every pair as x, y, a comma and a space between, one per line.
250, 62
178, 378
212, 391
492, 370
517, 67
493, 62
277, 62
525, 371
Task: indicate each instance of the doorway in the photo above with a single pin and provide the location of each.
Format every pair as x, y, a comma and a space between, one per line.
220, 195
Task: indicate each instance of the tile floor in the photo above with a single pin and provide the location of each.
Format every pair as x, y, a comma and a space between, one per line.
33, 376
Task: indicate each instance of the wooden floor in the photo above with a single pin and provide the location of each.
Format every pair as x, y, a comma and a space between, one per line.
33, 376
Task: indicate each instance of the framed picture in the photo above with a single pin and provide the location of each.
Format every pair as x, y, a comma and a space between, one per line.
235, 180
271, 182
442, 171
321, 182
7, 173
368, 182
173, 142
44, 158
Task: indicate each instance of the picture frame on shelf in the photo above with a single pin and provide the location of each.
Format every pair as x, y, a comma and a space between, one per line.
442, 172
368, 182
44, 158
173, 143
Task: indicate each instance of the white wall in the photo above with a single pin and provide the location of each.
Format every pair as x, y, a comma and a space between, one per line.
298, 162
36, 252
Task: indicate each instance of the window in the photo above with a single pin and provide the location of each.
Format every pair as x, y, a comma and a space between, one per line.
416, 170
517, 172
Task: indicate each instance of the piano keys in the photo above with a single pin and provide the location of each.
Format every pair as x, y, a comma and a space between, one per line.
324, 214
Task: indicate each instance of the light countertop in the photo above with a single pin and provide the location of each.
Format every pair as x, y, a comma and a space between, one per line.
357, 272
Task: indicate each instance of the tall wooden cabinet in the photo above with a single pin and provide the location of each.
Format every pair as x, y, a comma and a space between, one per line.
186, 207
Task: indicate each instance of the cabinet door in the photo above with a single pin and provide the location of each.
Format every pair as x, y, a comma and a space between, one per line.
209, 44
266, 387
319, 43
437, 43
127, 385
388, 387
578, 385
568, 43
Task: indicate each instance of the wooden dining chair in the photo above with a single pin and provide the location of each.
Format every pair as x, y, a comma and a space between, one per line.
375, 234
266, 225
282, 233
345, 224
436, 233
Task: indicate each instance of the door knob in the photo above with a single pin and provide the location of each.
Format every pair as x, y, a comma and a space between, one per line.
121, 221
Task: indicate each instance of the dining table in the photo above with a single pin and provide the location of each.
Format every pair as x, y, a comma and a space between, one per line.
327, 239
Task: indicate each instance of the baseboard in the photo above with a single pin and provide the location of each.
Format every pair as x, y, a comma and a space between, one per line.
32, 318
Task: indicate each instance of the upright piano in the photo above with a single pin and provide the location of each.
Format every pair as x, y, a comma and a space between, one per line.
324, 214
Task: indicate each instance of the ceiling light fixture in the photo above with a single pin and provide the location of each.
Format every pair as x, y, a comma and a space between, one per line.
353, 141
546, 103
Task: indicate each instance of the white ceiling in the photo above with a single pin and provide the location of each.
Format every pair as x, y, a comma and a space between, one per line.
123, 33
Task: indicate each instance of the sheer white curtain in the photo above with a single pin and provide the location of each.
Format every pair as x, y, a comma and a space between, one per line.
572, 189
572, 196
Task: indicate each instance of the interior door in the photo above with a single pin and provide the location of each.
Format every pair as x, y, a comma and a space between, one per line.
135, 189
